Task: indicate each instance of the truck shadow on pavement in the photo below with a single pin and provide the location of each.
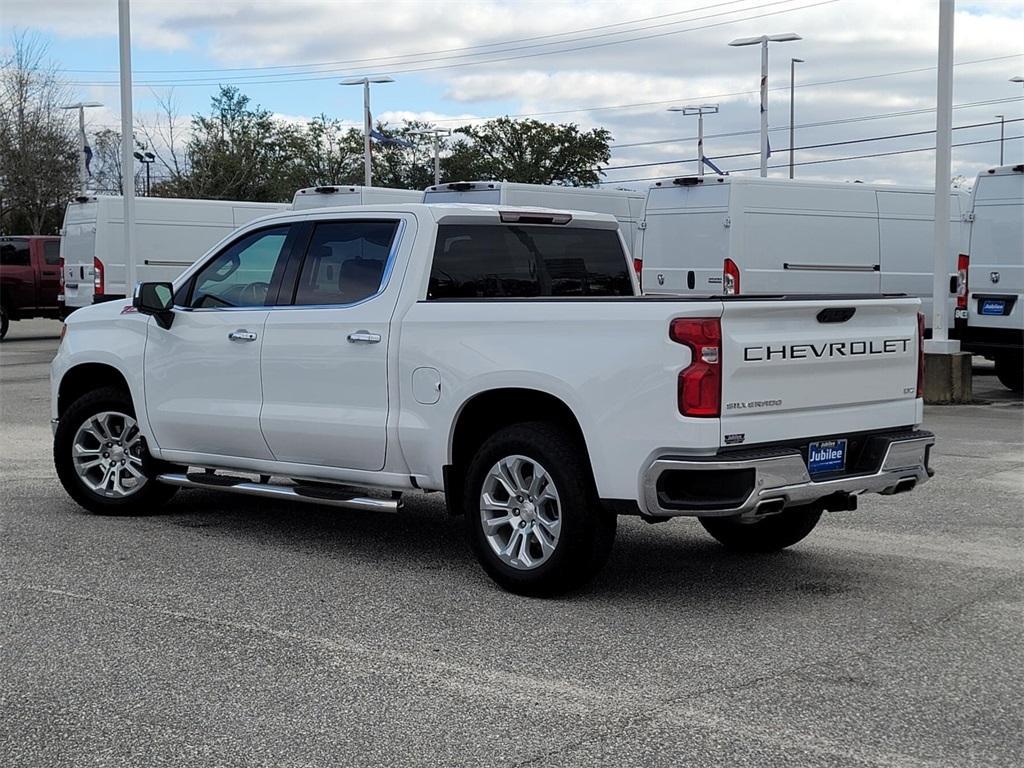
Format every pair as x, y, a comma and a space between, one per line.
676, 562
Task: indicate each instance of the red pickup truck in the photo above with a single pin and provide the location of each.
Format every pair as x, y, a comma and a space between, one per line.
29, 278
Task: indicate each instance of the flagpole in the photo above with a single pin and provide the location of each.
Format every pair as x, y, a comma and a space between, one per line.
367, 127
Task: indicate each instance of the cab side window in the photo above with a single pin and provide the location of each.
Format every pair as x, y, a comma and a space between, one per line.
241, 275
345, 262
14, 252
51, 252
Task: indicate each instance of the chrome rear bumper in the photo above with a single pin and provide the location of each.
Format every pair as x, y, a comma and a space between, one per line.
768, 480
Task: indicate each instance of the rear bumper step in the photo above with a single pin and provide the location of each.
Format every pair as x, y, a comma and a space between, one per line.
768, 481
318, 494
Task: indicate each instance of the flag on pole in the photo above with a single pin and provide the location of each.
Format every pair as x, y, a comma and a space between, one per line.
713, 167
88, 158
389, 141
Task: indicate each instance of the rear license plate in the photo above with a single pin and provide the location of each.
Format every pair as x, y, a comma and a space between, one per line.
826, 456
993, 306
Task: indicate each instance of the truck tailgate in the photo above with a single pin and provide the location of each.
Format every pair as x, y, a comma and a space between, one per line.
817, 367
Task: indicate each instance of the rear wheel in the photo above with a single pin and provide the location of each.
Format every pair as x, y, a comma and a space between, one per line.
767, 534
5, 322
101, 456
1010, 371
532, 514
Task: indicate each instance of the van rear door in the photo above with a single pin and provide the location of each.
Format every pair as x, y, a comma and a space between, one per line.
996, 280
685, 239
812, 367
78, 249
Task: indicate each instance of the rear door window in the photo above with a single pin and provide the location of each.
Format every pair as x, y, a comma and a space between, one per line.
502, 261
346, 262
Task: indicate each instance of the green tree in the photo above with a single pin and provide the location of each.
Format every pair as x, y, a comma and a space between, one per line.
529, 151
237, 152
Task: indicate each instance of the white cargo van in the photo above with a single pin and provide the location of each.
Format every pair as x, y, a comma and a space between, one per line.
171, 234
991, 312
735, 234
331, 196
625, 205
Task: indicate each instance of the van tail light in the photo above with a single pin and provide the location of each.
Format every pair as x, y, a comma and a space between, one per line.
60, 262
638, 267
920, 354
98, 281
730, 278
700, 383
963, 261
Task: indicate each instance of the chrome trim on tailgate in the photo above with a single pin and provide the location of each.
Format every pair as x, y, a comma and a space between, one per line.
781, 474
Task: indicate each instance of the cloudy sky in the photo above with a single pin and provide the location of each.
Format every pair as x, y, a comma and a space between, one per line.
869, 71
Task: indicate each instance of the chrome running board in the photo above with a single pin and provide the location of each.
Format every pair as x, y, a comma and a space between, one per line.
333, 496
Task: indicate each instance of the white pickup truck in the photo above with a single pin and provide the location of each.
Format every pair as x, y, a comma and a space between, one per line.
346, 356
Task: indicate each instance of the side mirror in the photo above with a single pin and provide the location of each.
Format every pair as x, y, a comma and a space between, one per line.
156, 299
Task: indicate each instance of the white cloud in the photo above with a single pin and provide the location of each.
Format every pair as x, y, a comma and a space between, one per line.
842, 40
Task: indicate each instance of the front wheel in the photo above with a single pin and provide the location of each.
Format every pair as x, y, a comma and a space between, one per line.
101, 456
532, 514
767, 534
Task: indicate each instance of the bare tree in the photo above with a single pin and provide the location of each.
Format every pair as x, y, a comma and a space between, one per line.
166, 137
38, 145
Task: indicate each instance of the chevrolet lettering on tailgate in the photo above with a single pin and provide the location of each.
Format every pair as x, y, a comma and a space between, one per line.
825, 350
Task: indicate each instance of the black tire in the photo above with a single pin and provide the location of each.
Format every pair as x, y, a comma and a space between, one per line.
143, 501
769, 534
586, 528
1010, 371
5, 322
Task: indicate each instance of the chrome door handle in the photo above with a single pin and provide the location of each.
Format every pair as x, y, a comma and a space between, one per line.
364, 337
242, 335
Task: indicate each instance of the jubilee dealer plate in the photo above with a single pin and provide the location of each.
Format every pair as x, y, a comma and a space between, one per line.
993, 307
826, 456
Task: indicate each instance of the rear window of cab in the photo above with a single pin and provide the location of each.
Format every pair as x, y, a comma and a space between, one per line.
510, 261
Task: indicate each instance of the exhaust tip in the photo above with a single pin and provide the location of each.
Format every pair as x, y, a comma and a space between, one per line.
770, 507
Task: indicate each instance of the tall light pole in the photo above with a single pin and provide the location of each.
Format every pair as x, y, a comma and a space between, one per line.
124, 36
147, 159
763, 41
1002, 127
940, 342
436, 133
367, 119
81, 106
710, 109
792, 128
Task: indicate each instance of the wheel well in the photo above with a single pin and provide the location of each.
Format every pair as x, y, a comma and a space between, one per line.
490, 411
85, 378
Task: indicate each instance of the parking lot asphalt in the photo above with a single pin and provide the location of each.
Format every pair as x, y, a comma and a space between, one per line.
226, 631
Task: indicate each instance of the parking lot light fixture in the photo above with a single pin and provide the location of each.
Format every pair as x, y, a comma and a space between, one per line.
436, 133
367, 119
81, 106
699, 111
763, 41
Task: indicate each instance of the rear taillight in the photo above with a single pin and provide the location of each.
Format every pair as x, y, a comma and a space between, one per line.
98, 283
60, 261
920, 354
963, 261
700, 383
638, 267
730, 278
